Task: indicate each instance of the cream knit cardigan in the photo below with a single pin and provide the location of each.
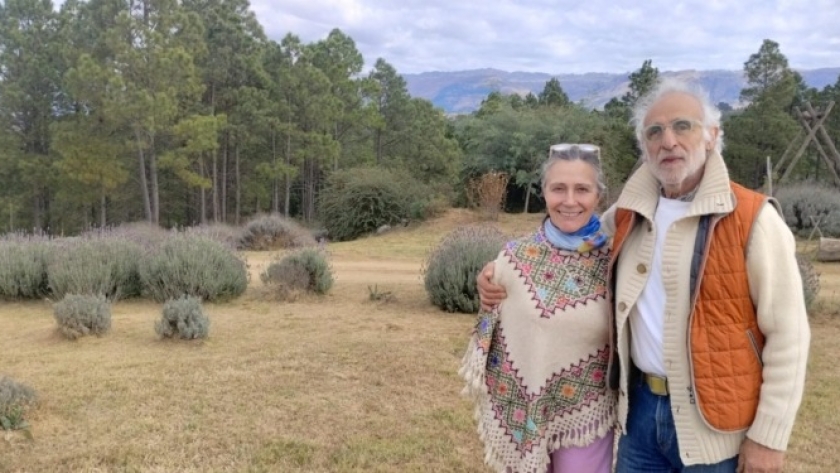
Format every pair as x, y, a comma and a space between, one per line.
536, 366
776, 291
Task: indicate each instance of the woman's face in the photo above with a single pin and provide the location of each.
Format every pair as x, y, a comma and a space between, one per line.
571, 194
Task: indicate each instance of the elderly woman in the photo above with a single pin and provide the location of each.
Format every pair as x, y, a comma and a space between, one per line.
536, 364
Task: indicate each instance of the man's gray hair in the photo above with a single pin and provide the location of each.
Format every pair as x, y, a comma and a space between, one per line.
667, 85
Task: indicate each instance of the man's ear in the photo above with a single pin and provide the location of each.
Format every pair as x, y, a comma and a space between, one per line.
713, 135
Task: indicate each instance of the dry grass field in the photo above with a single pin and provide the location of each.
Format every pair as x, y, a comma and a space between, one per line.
337, 383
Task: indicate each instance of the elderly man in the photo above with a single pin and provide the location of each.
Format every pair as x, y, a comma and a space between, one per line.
709, 325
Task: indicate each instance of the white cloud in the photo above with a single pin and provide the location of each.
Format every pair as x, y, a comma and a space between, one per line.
563, 36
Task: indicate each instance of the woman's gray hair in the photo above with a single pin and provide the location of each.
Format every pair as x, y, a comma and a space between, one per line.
665, 86
575, 153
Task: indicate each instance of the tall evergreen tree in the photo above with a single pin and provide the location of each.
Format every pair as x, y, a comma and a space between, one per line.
30, 95
390, 98
553, 95
765, 127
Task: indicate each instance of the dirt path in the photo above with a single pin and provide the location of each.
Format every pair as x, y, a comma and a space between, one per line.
379, 272
352, 271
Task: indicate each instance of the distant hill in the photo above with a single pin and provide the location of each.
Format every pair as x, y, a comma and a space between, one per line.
463, 91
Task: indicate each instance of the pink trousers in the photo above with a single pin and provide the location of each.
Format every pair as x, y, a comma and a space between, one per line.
596, 457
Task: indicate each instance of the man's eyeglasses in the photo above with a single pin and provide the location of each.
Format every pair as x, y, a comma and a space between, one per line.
680, 127
575, 151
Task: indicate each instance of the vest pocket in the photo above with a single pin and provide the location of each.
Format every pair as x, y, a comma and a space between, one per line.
754, 344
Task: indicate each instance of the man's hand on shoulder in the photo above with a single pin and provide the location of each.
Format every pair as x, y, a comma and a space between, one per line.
756, 458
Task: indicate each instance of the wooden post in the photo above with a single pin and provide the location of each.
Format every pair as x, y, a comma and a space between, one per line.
769, 177
789, 148
829, 250
811, 134
816, 140
824, 134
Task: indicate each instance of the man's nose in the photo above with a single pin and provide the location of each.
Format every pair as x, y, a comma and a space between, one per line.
669, 138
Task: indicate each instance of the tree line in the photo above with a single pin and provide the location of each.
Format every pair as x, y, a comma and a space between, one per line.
184, 112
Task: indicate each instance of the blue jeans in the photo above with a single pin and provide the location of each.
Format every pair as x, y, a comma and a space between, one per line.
650, 443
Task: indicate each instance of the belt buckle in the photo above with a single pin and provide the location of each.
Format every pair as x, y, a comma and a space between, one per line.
657, 384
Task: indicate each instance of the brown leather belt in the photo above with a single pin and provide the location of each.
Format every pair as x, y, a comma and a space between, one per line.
657, 384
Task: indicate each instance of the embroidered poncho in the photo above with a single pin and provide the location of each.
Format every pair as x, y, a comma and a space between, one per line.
536, 366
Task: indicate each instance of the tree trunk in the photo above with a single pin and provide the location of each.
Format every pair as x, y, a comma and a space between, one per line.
275, 181
378, 147
215, 179
829, 249
103, 221
287, 179
144, 185
238, 189
203, 193
37, 217
309, 187
224, 183
527, 198
155, 188
335, 159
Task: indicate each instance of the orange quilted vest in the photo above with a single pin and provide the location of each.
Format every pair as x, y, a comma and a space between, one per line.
726, 344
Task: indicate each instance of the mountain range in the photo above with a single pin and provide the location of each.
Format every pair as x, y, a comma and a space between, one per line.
458, 92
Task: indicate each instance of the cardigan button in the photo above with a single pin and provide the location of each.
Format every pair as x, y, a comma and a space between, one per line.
622, 306
641, 268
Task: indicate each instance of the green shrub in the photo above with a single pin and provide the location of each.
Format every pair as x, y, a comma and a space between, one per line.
356, 202
183, 318
806, 203
195, 266
451, 267
274, 232
23, 269
100, 265
306, 269
82, 314
810, 280
15, 401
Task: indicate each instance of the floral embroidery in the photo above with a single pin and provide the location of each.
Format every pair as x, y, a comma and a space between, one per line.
575, 278
525, 416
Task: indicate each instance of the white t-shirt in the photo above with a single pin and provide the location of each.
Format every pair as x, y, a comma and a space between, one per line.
647, 322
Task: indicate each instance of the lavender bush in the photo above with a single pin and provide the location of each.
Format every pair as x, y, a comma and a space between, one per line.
306, 270
104, 265
450, 268
806, 203
82, 314
274, 232
183, 318
23, 267
15, 401
227, 235
144, 234
192, 265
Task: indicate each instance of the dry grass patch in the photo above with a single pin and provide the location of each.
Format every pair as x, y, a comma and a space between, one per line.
336, 383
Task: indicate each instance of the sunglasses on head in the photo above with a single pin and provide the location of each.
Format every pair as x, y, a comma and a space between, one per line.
575, 150
680, 127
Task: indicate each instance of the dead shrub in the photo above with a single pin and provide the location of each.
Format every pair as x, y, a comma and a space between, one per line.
487, 193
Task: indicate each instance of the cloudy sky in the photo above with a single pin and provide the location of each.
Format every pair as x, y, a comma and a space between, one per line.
561, 36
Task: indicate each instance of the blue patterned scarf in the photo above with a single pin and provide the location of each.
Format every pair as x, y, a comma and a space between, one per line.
588, 238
